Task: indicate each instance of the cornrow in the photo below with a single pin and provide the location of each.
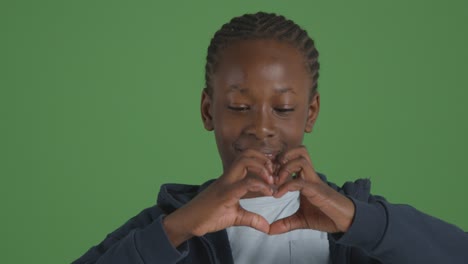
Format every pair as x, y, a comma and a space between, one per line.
262, 26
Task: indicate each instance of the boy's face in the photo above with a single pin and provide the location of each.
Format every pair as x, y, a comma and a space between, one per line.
260, 99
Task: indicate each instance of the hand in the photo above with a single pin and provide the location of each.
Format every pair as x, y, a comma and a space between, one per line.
217, 207
321, 207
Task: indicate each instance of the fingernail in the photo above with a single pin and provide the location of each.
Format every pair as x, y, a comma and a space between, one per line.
272, 180
271, 165
273, 188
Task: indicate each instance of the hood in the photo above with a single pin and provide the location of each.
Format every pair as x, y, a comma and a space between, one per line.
174, 195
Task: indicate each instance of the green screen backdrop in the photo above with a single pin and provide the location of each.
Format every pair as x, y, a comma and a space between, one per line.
99, 105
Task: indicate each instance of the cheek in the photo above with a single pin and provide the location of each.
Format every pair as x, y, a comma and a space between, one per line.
293, 130
293, 135
226, 135
222, 135
224, 142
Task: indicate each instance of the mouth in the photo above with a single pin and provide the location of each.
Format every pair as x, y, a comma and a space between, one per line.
271, 153
271, 156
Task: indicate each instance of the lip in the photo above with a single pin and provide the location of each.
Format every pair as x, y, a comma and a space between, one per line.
271, 156
270, 153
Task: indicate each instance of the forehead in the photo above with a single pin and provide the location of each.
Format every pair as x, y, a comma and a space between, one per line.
262, 64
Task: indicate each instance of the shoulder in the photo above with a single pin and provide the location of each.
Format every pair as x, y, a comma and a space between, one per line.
174, 195
359, 189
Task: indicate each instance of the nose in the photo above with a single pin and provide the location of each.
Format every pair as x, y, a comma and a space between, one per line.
261, 125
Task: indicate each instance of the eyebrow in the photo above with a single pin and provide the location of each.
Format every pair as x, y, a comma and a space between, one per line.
243, 90
234, 88
285, 90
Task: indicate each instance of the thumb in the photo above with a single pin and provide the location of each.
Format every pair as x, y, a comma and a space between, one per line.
246, 218
287, 224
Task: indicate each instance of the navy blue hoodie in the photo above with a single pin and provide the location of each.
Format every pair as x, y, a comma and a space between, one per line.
381, 232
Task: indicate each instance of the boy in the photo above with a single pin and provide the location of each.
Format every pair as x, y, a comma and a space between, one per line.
270, 205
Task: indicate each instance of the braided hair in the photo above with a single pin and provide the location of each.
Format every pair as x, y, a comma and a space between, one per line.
262, 25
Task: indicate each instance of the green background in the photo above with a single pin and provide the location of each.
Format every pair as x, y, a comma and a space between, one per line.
99, 105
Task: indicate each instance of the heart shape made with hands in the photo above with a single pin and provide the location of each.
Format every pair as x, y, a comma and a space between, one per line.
320, 207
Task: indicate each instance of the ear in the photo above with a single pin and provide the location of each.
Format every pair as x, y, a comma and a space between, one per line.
312, 114
205, 107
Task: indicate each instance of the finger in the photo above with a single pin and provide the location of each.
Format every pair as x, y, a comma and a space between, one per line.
259, 156
248, 184
246, 218
248, 164
287, 224
294, 153
300, 166
291, 186
337, 207
307, 189
314, 192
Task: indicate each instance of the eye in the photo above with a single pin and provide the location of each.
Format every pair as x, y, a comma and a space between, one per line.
238, 108
283, 110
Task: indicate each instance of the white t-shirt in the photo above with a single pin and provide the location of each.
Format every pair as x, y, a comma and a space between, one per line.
298, 246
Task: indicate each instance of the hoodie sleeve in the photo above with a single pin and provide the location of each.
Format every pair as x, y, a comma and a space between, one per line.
141, 240
396, 233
